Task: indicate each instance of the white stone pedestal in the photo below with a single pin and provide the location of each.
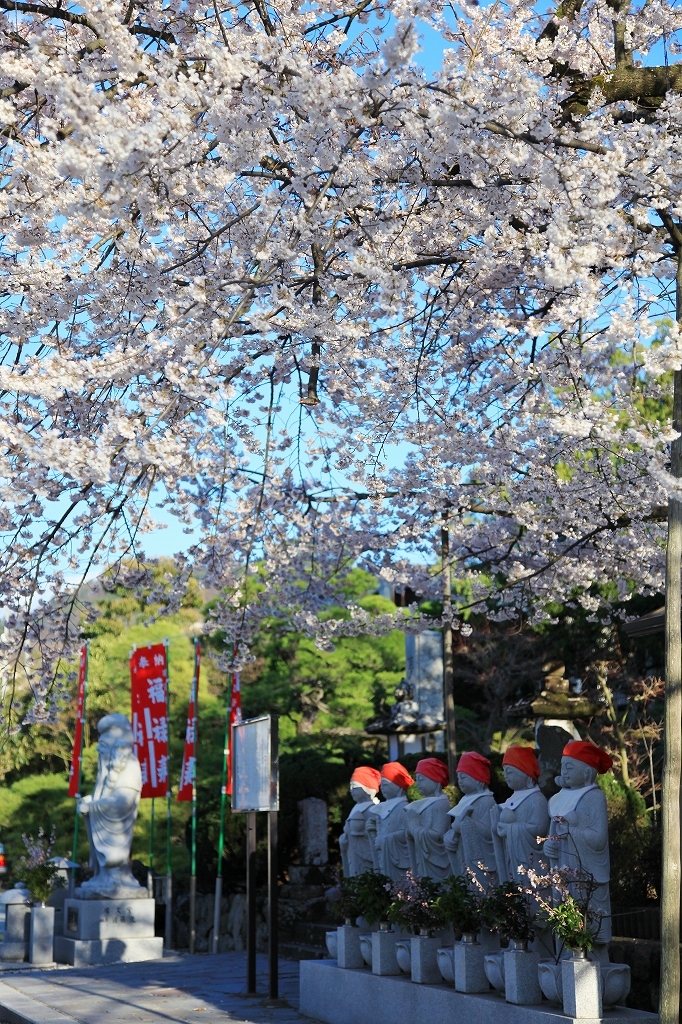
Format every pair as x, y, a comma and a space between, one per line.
581, 982
424, 957
349, 954
521, 985
14, 946
41, 936
108, 931
470, 967
383, 953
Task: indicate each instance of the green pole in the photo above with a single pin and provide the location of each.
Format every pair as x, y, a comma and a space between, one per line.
169, 875
151, 840
221, 833
193, 870
80, 757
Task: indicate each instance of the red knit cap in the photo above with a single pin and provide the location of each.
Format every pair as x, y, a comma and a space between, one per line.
394, 772
590, 754
367, 776
475, 765
524, 759
433, 769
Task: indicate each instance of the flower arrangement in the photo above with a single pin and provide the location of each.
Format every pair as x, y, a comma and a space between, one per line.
344, 900
459, 905
506, 908
570, 917
372, 890
414, 904
35, 870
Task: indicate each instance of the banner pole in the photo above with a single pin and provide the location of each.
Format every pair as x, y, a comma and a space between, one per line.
193, 872
168, 929
221, 833
80, 765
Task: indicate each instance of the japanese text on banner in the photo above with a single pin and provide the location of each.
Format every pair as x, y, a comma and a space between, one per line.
189, 759
75, 770
149, 704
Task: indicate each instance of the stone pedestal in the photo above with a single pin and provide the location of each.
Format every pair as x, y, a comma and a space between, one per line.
581, 983
383, 953
14, 947
424, 960
108, 931
521, 985
349, 954
41, 935
470, 967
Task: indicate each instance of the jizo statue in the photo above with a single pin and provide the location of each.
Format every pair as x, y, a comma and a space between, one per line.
110, 814
469, 841
579, 830
355, 842
427, 820
520, 821
386, 823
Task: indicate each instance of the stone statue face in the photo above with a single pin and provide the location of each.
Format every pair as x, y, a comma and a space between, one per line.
516, 779
469, 785
390, 789
427, 787
575, 774
358, 794
114, 752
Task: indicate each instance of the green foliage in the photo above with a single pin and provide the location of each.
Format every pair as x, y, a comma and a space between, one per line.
505, 908
459, 906
35, 870
569, 925
635, 880
344, 900
373, 895
414, 904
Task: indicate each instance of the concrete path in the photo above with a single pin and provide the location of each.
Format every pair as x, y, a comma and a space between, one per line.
176, 990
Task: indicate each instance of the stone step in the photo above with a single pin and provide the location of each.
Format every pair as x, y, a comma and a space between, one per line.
301, 951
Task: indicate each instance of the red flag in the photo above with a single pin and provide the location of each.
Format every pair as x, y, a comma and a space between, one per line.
149, 706
75, 771
189, 759
235, 716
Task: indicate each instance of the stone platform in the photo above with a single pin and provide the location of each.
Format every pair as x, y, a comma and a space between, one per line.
107, 932
336, 996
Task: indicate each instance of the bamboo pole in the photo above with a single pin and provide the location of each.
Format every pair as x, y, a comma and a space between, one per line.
672, 760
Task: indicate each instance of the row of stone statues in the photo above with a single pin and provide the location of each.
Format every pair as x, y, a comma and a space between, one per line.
494, 842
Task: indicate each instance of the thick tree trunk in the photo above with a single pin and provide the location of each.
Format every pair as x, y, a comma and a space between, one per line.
448, 664
670, 800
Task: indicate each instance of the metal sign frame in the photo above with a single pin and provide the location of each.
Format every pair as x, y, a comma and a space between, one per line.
246, 732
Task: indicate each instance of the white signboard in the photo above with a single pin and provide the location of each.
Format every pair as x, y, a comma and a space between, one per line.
255, 776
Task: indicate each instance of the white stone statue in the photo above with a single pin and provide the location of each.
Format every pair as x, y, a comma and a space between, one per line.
579, 828
386, 823
427, 821
354, 842
110, 814
520, 821
469, 841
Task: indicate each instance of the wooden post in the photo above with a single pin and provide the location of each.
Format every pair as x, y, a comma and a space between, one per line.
251, 902
672, 760
448, 663
273, 967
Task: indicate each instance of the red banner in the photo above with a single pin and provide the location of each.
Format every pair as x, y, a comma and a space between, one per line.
235, 716
149, 707
75, 771
189, 758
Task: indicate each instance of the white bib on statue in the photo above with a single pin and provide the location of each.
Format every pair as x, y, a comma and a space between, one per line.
517, 798
467, 800
566, 800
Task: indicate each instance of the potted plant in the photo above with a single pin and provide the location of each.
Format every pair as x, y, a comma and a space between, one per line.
461, 907
40, 876
374, 899
506, 909
346, 907
414, 907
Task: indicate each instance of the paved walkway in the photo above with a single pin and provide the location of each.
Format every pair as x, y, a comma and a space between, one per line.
176, 990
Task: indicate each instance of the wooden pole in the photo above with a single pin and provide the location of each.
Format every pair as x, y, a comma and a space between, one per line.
672, 760
448, 662
273, 965
251, 902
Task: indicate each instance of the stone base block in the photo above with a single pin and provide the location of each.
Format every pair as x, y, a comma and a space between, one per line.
41, 936
383, 953
581, 982
424, 960
13, 952
85, 952
470, 967
521, 985
349, 954
337, 996
108, 919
